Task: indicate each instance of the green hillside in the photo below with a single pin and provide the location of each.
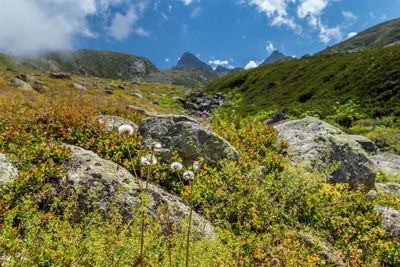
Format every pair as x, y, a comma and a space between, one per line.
370, 78
97, 63
378, 36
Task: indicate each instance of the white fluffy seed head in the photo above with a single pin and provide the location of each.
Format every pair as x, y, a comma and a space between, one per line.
176, 166
155, 145
188, 175
126, 128
148, 160
196, 166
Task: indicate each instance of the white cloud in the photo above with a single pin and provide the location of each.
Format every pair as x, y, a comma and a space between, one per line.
141, 32
251, 64
41, 25
328, 34
121, 25
188, 2
277, 11
270, 47
218, 62
271, 7
349, 15
196, 12
311, 7
167, 60
165, 17
280, 20
351, 34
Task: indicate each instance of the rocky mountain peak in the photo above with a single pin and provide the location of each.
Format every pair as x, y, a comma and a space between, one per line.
275, 56
190, 61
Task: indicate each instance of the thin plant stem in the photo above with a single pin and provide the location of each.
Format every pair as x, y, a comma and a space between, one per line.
144, 215
180, 179
134, 169
190, 222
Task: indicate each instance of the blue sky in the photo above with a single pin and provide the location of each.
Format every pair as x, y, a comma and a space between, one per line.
231, 32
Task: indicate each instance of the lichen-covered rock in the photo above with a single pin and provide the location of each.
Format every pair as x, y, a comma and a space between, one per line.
60, 75
188, 137
321, 146
140, 110
112, 183
21, 84
365, 143
112, 123
389, 163
277, 117
392, 189
390, 220
79, 87
7, 171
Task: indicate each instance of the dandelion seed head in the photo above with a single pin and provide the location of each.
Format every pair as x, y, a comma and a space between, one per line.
176, 166
148, 160
188, 175
196, 166
126, 128
155, 145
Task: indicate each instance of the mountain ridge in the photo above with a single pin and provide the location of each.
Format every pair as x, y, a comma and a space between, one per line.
377, 36
274, 57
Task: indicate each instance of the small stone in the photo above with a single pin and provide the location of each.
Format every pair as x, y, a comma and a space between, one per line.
60, 75
277, 117
137, 95
79, 87
274, 262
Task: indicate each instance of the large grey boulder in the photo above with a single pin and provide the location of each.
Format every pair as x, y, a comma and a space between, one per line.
322, 146
112, 123
7, 171
112, 183
21, 84
389, 163
365, 143
390, 220
392, 189
188, 137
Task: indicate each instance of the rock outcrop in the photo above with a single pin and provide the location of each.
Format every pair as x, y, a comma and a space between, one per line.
140, 110
202, 105
321, 146
365, 143
60, 75
21, 84
114, 184
392, 189
7, 171
389, 163
390, 220
278, 117
188, 137
112, 123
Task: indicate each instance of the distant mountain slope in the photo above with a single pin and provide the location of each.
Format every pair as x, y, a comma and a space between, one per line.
371, 78
105, 64
87, 62
221, 69
190, 61
375, 37
274, 57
